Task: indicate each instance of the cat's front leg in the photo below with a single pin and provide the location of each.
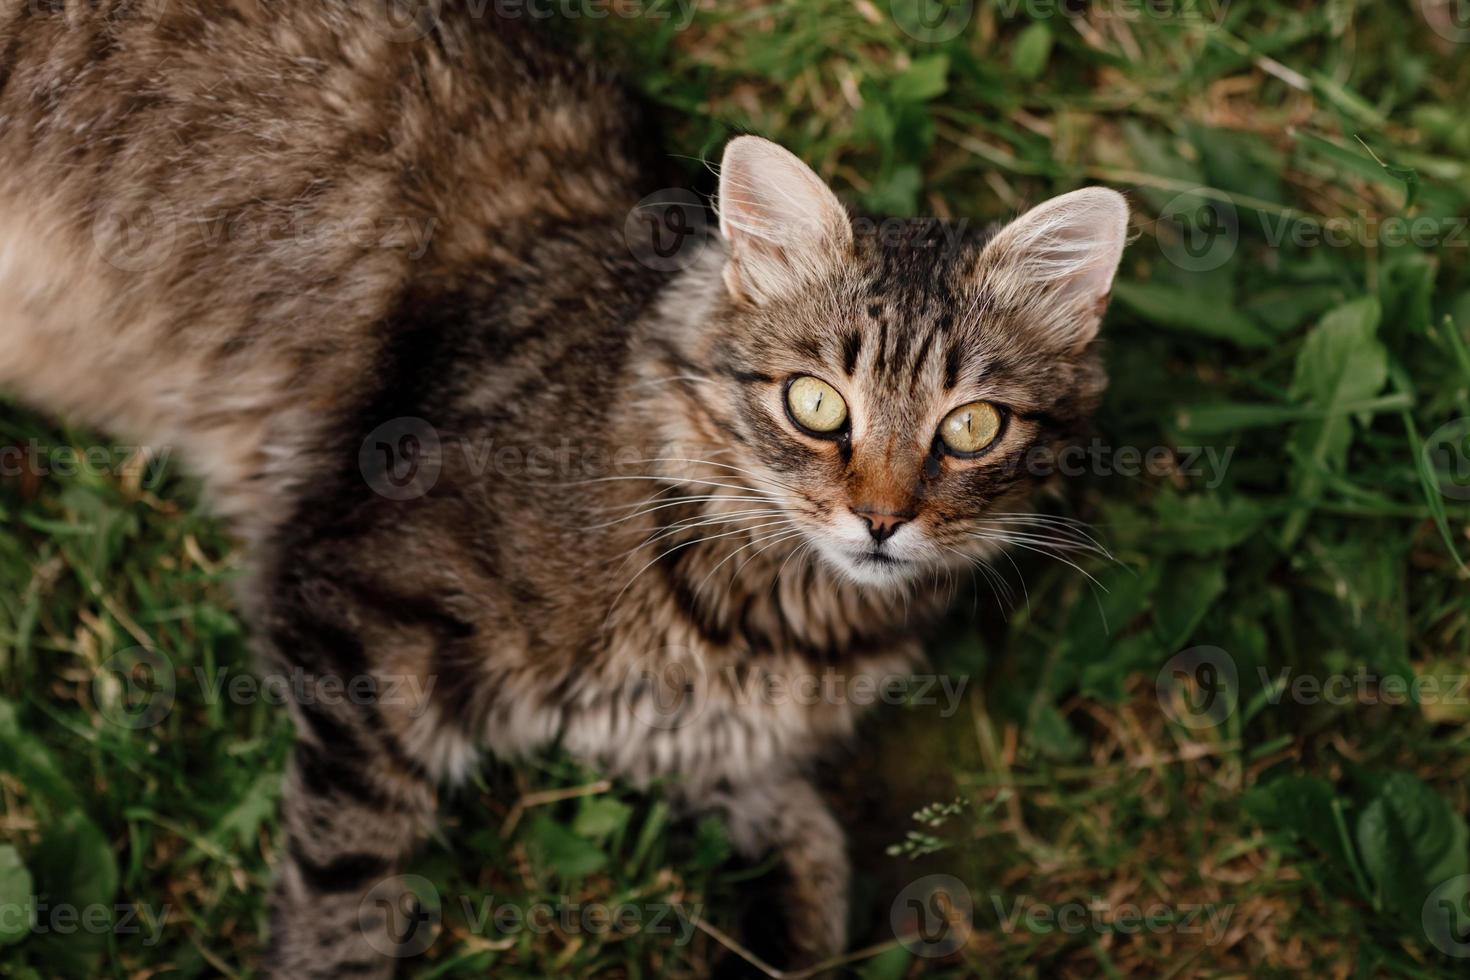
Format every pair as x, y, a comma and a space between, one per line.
785, 815
352, 814
358, 797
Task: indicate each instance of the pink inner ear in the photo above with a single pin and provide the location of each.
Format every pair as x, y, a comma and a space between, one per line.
783, 224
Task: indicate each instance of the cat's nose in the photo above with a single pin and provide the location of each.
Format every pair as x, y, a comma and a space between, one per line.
882, 524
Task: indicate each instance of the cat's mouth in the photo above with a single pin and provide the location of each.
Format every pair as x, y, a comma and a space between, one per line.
876, 557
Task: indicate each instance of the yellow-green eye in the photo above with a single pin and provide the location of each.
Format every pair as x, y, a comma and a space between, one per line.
970, 428
815, 405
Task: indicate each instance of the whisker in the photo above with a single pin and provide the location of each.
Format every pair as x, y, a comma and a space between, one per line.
779, 535
684, 544
1075, 531
676, 503
678, 528
725, 466
1007, 539
672, 480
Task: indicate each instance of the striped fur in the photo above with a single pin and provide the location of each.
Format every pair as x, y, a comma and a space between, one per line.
491, 294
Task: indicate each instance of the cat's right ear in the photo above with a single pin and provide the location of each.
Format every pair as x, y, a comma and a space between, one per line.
784, 227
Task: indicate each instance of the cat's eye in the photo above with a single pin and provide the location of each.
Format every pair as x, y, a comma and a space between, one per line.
971, 428
815, 405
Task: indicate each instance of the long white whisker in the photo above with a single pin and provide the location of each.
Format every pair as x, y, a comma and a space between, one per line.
1005, 539
780, 535
676, 503
686, 544
725, 466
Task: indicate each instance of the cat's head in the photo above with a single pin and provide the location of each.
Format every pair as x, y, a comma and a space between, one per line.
894, 382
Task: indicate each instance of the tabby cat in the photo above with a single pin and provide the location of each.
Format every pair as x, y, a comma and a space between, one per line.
374, 277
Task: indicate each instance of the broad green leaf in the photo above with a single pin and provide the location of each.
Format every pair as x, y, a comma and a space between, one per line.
15, 897
555, 847
925, 79
1188, 591
76, 877
1302, 807
1340, 362
897, 195
601, 817
1180, 310
1031, 50
1052, 735
1205, 524
1411, 840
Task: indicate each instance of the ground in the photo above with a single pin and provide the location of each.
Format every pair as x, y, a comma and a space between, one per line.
1239, 746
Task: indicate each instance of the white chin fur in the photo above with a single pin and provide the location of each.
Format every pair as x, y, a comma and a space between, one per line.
851, 565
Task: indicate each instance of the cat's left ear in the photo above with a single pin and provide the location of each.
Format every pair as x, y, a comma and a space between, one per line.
1055, 264
785, 229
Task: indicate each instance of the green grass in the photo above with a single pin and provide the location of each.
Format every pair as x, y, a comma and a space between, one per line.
1313, 829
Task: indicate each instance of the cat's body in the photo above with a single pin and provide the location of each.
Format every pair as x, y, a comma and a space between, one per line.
602, 539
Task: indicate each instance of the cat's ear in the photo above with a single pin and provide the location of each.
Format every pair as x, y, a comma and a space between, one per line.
784, 227
1055, 263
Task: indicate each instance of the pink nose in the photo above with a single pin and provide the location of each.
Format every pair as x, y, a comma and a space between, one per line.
882, 525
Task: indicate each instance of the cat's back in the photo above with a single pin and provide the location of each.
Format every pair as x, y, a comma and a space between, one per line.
225, 202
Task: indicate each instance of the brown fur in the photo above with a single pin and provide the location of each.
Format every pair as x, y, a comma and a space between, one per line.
688, 542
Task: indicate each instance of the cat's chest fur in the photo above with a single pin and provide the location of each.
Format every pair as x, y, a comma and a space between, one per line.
664, 666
